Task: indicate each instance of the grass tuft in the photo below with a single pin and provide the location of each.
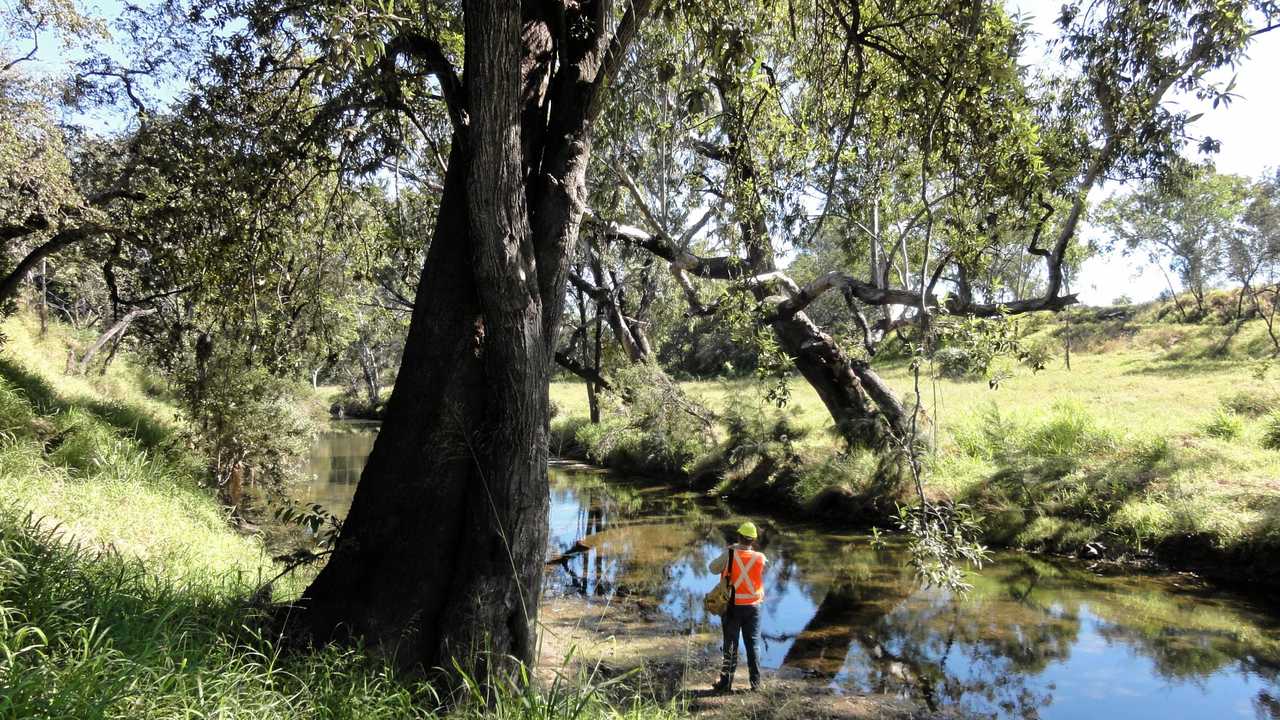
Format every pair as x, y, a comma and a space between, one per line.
1224, 425
1271, 431
1252, 403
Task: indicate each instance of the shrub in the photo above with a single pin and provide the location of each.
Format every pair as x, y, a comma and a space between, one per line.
1224, 425
242, 415
1252, 403
1037, 355
658, 429
954, 362
1271, 431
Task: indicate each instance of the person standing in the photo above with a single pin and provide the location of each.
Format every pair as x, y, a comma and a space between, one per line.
745, 568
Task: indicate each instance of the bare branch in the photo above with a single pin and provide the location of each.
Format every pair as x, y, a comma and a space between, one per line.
35, 47
566, 361
687, 236
630, 184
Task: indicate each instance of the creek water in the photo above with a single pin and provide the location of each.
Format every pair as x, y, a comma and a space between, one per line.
1034, 638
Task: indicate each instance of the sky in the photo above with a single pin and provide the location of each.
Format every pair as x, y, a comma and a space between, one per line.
1246, 129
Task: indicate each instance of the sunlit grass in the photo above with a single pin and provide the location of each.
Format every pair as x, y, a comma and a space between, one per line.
1151, 385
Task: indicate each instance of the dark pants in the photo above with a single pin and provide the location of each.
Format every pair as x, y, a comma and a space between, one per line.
741, 620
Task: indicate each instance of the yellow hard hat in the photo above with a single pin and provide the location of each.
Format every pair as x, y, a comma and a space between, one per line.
748, 530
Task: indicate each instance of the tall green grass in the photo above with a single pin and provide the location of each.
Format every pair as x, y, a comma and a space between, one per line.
95, 634
1066, 482
125, 592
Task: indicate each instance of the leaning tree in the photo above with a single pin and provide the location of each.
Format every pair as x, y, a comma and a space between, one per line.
930, 120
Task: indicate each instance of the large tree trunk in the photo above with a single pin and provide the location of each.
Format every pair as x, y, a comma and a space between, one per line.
369, 368
440, 553
439, 560
862, 406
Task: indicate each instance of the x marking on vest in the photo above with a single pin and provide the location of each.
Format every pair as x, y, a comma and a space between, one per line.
744, 576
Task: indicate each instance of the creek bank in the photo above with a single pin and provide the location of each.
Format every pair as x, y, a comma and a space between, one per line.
768, 485
627, 637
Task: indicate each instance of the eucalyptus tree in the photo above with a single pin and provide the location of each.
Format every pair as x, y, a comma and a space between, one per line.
928, 120
1189, 223
906, 109
1255, 252
440, 555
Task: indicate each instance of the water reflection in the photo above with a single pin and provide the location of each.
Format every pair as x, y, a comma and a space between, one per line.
336, 461
1034, 639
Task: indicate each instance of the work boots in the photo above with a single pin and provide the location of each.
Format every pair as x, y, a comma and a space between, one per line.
723, 685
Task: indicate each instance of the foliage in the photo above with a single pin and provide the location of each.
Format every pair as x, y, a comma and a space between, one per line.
944, 540
1036, 355
1271, 431
1191, 226
954, 362
323, 525
39, 190
704, 348
758, 432
971, 346
653, 431
241, 416
1224, 425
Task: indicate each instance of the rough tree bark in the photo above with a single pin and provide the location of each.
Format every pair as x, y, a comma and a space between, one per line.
439, 559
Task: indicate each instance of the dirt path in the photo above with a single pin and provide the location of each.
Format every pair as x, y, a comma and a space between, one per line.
628, 636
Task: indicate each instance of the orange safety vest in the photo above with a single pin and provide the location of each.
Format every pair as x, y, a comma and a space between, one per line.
747, 576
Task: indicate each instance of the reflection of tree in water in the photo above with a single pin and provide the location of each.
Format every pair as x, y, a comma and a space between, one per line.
876, 630
1266, 706
1189, 641
584, 580
633, 540
924, 645
1187, 636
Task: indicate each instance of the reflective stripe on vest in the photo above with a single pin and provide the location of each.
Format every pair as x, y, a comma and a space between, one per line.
748, 577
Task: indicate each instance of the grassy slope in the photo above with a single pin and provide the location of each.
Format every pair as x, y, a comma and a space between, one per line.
99, 457
1113, 451
124, 593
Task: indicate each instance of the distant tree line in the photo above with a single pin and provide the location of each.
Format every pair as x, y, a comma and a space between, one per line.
1209, 229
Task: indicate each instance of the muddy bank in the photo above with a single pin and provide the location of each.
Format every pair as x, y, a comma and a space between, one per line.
628, 637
